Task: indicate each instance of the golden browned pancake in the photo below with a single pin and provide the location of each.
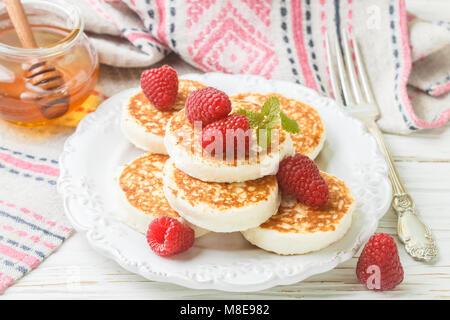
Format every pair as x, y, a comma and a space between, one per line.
221, 207
141, 182
297, 228
142, 197
144, 125
312, 132
183, 145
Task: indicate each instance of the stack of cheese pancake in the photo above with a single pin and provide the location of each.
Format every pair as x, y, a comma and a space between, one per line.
177, 178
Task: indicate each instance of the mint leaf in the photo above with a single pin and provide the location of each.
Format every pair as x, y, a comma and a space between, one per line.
254, 118
271, 121
264, 137
271, 111
288, 124
267, 119
271, 107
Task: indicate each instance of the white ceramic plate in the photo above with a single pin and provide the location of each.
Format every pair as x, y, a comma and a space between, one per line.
218, 261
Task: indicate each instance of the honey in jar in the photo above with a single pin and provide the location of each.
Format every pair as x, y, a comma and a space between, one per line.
63, 46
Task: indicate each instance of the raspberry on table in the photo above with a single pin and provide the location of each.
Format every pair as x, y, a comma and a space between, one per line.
299, 176
207, 105
234, 129
160, 86
379, 258
167, 236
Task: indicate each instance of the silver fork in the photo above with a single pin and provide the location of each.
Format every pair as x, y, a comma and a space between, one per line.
417, 237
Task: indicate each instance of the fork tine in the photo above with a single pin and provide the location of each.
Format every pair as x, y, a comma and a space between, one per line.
351, 68
363, 74
343, 75
334, 83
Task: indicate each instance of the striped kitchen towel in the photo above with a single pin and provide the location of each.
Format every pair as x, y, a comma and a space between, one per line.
408, 59
32, 221
26, 238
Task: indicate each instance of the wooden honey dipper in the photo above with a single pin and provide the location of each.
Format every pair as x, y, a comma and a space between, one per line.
45, 79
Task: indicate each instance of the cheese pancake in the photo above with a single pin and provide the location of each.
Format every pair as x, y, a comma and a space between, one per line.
298, 229
144, 125
309, 141
182, 143
141, 196
221, 207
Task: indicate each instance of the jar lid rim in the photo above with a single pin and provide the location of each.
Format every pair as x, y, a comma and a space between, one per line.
63, 44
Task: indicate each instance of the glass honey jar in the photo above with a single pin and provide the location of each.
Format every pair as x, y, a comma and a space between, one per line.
40, 85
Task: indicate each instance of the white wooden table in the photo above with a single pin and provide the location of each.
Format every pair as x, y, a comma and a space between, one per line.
76, 271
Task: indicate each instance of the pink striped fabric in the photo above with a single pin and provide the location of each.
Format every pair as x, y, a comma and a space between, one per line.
162, 21
27, 237
297, 20
286, 40
5, 281
38, 168
441, 119
440, 89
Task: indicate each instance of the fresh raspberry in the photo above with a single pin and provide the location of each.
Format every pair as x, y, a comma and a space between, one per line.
379, 258
234, 129
299, 175
207, 105
167, 236
160, 86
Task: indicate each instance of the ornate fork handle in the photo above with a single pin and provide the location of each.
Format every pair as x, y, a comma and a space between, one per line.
416, 236
412, 232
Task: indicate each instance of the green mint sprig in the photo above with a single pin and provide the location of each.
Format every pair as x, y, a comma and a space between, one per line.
269, 116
